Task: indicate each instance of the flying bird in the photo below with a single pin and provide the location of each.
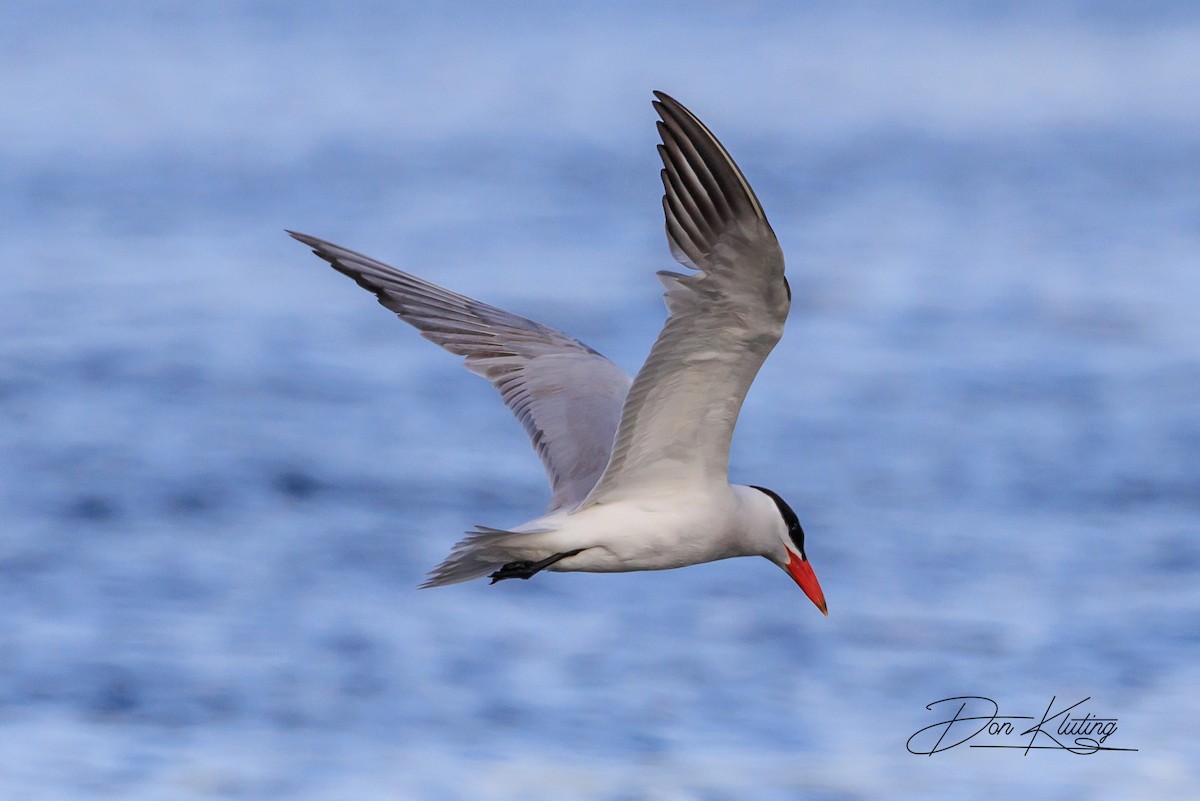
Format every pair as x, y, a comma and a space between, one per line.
638, 469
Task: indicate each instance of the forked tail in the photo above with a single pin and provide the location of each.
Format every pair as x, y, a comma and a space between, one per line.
476, 555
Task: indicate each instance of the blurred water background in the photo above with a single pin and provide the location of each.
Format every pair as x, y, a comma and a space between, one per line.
223, 468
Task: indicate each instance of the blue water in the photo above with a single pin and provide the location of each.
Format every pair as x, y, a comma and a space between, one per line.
223, 468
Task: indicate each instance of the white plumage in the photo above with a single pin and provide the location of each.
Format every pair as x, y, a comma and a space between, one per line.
639, 471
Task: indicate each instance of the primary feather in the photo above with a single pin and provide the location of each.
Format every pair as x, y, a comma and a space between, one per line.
567, 396
678, 419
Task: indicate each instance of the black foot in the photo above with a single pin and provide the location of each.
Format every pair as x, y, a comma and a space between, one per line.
521, 570
526, 569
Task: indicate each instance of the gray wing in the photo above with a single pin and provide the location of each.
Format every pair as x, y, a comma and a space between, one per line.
679, 416
566, 395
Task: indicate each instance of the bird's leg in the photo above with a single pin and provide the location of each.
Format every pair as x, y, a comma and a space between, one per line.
527, 569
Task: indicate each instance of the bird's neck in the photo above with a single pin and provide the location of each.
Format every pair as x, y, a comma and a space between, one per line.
759, 522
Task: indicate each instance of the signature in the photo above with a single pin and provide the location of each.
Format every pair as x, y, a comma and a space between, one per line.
975, 716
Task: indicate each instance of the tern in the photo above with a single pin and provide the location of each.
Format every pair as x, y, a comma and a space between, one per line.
639, 470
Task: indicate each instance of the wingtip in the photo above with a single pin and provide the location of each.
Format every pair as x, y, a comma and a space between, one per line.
663, 104
679, 123
307, 239
667, 106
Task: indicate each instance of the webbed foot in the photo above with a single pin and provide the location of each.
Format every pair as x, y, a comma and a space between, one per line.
526, 569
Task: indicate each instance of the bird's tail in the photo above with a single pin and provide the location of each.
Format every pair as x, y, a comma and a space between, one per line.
481, 552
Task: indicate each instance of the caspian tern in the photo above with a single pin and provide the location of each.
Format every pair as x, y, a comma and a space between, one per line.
639, 470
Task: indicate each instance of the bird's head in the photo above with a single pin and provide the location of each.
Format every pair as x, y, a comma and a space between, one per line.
790, 554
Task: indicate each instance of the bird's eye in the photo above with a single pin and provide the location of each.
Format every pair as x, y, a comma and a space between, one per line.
796, 532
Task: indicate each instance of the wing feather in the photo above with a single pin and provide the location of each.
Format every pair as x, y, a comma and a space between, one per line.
678, 419
566, 395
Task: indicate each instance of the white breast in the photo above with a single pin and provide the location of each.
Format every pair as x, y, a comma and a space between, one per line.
653, 532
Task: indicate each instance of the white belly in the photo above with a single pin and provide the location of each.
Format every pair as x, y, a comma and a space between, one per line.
655, 533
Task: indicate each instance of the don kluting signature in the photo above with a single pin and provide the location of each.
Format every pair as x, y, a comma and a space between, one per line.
978, 718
